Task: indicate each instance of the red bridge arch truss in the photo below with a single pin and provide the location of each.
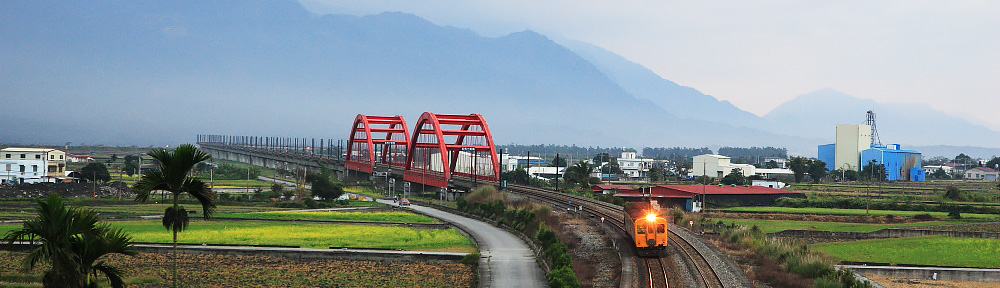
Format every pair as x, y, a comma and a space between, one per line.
377, 139
443, 145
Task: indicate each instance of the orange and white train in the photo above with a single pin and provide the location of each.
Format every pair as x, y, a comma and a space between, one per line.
647, 228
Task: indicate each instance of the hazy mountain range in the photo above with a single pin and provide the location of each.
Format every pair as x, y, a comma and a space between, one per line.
153, 73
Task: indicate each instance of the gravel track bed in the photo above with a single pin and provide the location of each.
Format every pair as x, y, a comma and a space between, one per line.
727, 270
595, 250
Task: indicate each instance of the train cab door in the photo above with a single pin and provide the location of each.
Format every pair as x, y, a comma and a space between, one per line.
646, 233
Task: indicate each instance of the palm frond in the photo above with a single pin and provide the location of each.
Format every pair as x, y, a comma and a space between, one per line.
203, 194
175, 220
112, 273
151, 181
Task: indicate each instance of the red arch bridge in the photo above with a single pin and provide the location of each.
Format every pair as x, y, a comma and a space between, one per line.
444, 150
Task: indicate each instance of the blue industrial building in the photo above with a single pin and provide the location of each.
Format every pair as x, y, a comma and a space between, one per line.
828, 154
899, 164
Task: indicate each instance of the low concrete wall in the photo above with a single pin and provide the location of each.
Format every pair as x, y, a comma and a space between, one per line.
961, 274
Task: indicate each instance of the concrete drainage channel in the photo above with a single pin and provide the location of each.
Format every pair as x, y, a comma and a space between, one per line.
924, 272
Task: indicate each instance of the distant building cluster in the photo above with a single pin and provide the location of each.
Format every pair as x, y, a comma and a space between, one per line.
32, 165
855, 148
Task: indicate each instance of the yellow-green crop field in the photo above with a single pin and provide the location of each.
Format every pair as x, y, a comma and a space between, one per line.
306, 235
393, 217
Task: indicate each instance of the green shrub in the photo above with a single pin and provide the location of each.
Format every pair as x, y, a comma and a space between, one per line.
827, 283
471, 259
563, 277
954, 214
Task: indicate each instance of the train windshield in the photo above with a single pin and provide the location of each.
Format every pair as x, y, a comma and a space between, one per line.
660, 228
640, 229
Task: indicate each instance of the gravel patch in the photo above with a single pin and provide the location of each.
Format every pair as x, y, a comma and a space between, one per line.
594, 256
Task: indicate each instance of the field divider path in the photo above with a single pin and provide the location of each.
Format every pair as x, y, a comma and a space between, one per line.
507, 261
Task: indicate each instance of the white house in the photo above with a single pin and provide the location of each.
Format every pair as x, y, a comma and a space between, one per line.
768, 184
774, 173
78, 158
718, 166
634, 168
31, 165
931, 169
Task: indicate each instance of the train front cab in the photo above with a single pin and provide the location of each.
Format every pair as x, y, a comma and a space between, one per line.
650, 236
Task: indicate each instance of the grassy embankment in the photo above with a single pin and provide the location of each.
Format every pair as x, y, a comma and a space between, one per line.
306, 235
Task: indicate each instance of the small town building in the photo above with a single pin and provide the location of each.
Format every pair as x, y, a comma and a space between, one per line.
928, 170
982, 173
78, 158
608, 188
768, 184
31, 165
688, 197
633, 167
774, 173
718, 166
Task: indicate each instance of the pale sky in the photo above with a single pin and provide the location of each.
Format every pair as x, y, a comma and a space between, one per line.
758, 54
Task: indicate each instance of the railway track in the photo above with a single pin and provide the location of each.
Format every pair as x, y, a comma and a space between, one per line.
704, 273
656, 275
703, 266
656, 268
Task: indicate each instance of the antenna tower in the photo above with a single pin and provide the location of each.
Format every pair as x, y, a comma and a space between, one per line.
871, 122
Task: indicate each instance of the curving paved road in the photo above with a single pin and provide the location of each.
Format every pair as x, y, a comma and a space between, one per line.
509, 261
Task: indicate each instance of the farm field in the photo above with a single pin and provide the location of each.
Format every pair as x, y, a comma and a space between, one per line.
852, 212
771, 226
928, 250
395, 217
261, 271
306, 235
121, 209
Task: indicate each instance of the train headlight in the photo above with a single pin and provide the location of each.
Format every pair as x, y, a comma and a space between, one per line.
651, 217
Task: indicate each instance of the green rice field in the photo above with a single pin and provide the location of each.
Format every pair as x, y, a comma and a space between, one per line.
928, 250
306, 235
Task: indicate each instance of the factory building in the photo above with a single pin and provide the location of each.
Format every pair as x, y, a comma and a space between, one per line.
856, 145
899, 164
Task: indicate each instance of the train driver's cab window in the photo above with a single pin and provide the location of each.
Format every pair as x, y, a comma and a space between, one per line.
640, 229
660, 228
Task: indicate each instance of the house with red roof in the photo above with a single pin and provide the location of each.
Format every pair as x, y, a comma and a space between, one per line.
688, 197
982, 173
608, 188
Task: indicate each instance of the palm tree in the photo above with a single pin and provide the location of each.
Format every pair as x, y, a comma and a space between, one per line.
71, 240
579, 173
91, 248
171, 175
